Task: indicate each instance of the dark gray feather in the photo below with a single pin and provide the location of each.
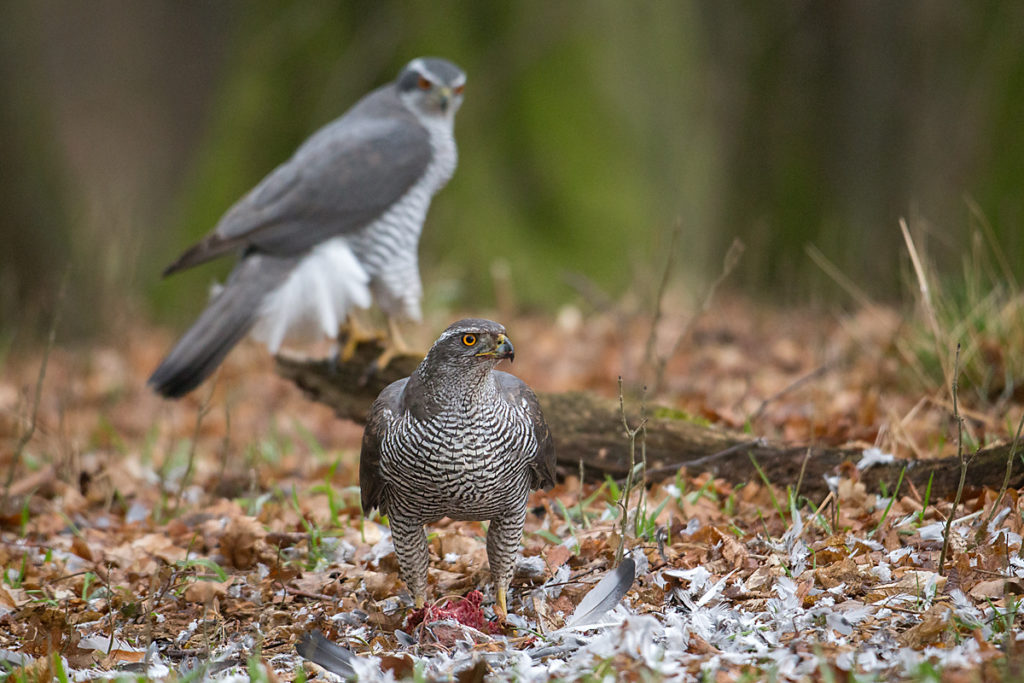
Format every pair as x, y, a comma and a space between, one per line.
604, 596
228, 318
331, 656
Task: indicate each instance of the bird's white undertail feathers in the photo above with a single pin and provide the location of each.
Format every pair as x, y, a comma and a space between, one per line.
316, 297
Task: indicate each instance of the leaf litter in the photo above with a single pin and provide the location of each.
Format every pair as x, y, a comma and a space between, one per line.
130, 548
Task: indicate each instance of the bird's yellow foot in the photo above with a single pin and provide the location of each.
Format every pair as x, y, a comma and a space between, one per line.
500, 608
356, 334
395, 347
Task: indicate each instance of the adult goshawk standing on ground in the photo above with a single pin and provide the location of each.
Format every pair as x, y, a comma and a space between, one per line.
337, 222
456, 439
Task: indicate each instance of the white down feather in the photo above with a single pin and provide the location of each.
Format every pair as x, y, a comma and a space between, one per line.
316, 297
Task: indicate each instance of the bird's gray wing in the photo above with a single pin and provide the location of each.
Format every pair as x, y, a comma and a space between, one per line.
383, 414
517, 392
341, 179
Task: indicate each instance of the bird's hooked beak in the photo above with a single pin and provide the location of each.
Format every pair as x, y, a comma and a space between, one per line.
502, 349
444, 99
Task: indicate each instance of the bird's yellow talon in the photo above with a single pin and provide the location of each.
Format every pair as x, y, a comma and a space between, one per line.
501, 608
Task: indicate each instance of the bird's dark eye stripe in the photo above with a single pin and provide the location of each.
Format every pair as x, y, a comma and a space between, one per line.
469, 339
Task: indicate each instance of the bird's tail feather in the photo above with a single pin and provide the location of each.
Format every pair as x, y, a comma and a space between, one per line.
226, 320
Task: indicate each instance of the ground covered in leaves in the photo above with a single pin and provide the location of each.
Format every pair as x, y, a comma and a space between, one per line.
205, 537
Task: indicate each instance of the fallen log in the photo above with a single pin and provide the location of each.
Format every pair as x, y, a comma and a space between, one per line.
588, 428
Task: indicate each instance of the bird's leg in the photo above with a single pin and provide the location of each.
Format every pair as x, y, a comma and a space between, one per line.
396, 346
356, 334
413, 557
503, 537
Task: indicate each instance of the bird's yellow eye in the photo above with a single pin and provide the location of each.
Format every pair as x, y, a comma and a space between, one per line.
458, 89
469, 339
423, 83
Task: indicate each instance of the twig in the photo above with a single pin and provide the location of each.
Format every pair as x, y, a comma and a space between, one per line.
652, 337
624, 498
926, 297
731, 260
768, 485
705, 459
157, 596
828, 499
583, 515
204, 408
888, 507
598, 299
800, 479
963, 464
993, 244
31, 430
225, 444
299, 593
1009, 469
839, 277
572, 579
796, 384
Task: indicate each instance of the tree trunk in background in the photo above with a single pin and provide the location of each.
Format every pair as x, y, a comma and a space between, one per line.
35, 230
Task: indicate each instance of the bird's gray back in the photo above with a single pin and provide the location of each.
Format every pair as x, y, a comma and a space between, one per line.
345, 176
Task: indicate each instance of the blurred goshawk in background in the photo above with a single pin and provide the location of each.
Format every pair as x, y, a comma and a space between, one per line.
457, 439
333, 226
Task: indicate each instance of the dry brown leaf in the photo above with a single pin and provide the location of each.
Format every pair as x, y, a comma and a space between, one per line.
381, 585
762, 579
242, 542
400, 666
39, 671
933, 624
996, 589
116, 657
699, 646
732, 550
7, 599
913, 582
555, 556
846, 571
205, 592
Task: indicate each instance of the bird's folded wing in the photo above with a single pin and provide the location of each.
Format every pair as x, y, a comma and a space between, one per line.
517, 392
342, 179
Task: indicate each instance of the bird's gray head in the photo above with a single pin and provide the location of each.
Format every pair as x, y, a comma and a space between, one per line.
431, 86
458, 367
470, 343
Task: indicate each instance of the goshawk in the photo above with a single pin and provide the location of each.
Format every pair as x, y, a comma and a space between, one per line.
457, 439
338, 222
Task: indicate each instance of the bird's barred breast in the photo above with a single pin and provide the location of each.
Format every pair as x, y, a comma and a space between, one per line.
464, 466
388, 247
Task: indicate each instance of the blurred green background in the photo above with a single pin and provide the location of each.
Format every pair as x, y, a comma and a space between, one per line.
590, 129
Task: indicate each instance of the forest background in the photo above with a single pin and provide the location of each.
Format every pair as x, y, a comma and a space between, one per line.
591, 132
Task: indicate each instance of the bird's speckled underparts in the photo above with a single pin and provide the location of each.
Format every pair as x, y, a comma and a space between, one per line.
457, 439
